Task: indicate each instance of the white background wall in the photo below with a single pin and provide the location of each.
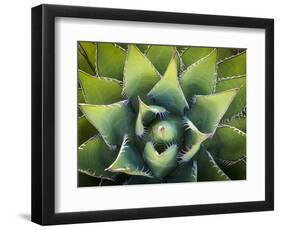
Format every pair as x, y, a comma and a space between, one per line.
15, 114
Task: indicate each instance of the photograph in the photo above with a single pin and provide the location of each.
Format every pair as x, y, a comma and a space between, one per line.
157, 113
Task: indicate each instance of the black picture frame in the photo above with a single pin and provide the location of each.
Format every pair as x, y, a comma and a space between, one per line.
43, 114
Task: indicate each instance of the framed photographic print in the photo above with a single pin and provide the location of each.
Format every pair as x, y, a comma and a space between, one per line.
143, 114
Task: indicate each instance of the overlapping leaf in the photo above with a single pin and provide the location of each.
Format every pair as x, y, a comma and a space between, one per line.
139, 74
228, 143
112, 121
239, 103
208, 110
129, 161
232, 66
199, 78
161, 164
160, 56
147, 114
94, 157
208, 169
167, 92
185, 172
193, 54
100, 91
110, 60
89, 49
193, 140
85, 130
83, 64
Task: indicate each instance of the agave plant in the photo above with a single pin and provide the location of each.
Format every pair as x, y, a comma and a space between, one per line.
160, 114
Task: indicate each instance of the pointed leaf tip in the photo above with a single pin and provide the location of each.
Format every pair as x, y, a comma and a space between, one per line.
129, 161
208, 110
112, 121
139, 74
199, 78
161, 164
167, 92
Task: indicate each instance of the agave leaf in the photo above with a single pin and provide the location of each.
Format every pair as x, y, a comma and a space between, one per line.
160, 56
199, 78
235, 170
225, 53
142, 47
239, 123
112, 121
167, 92
239, 102
228, 143
194, 54
193, 140
185, 172
208, 169
85, 130
93, 157
81, 99
147, 114
83, 64
89, 49
98, 90
85, 180
129, 161
110, 60
181, 49
161, 164
139, 74
232, 66
208, 110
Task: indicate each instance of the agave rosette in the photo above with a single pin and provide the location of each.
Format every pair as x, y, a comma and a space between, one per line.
160, 114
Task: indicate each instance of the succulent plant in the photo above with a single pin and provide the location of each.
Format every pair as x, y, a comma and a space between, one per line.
160, 114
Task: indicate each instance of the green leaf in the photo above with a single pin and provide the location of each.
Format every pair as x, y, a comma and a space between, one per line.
232, 66
161, 164
193, 140
199, 78
85, 130
142, 47
225, 53
139, 74
90, 50
238, 122
239, 102
168, 93
181, 49
228, 143
93, 157
112, 121
160, 56
129, 161
85, 180
185, 172
208, 110
110, 60
147, 114
235, 170
208, 170
83, 64
194, 54
98, 90
81, 99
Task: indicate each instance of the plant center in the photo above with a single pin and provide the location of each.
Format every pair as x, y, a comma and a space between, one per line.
164, 132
